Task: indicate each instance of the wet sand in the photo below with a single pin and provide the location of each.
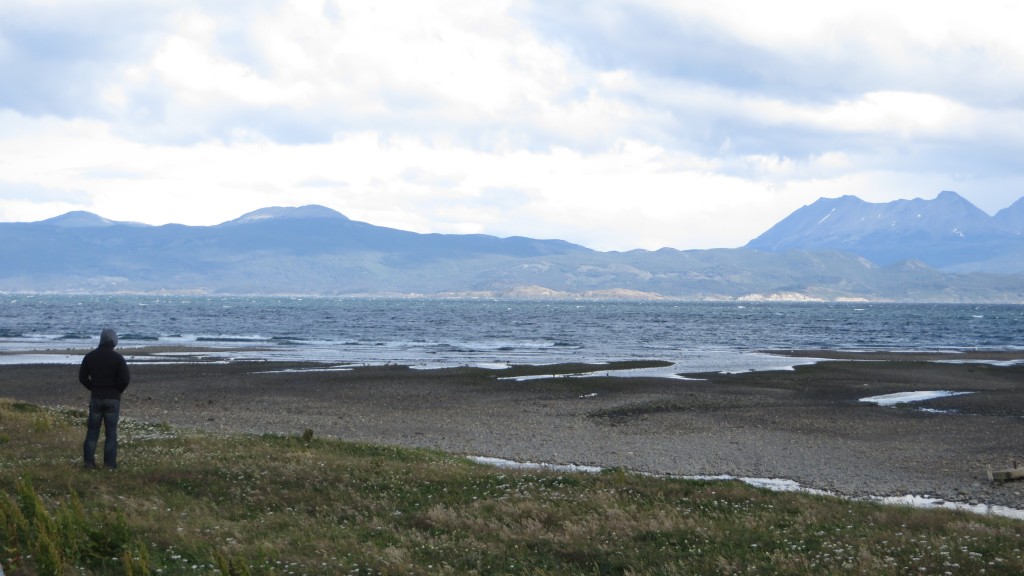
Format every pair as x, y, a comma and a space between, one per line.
807, 425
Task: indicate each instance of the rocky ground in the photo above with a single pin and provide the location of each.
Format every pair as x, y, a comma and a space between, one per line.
807, 425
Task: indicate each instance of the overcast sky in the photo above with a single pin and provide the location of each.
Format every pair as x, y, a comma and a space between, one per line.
612, 124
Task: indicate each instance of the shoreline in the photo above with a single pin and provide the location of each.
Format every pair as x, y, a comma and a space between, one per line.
806, 425
779, 485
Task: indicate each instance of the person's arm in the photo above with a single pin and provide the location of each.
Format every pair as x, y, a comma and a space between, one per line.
123, 376
84, 376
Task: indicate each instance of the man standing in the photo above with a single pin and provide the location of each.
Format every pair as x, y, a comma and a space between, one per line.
105, 373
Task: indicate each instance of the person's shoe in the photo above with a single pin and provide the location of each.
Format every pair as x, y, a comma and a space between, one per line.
90, 466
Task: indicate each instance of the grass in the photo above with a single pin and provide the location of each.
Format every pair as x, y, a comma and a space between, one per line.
192, 503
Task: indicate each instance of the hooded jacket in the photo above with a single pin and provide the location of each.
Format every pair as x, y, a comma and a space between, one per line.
105, 372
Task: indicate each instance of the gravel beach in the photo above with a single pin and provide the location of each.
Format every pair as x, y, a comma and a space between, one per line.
808, 425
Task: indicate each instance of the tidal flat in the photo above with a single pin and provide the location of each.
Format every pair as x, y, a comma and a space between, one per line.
807, 425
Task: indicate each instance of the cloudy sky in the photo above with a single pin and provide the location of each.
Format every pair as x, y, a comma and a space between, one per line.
613, 124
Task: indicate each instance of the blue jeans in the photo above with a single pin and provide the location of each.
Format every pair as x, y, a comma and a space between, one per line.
106, 412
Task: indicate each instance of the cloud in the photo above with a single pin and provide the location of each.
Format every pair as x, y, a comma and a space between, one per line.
186, 73
28, 192
800, 50
796, 79
30, 202
59, 57
623, 124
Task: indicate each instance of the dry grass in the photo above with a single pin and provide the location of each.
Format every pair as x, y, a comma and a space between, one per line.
189, 503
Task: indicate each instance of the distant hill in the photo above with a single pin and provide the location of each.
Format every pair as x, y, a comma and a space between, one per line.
79, 219
1011, 218
317, 251
948, 233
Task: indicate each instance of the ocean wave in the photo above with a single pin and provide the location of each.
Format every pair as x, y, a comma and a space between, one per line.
701, 336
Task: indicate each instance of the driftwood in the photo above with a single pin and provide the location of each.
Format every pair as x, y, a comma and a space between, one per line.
1014, 473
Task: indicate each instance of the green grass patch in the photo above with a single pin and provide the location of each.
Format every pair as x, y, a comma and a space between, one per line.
192, 503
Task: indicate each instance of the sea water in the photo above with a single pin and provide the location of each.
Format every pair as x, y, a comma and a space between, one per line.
694, 336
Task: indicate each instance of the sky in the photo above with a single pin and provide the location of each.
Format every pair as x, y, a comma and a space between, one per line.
613, 124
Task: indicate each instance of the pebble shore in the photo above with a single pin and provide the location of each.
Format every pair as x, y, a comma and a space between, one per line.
807, 425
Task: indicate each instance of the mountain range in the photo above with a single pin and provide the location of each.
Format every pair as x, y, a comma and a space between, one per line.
948, 233
941, 250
